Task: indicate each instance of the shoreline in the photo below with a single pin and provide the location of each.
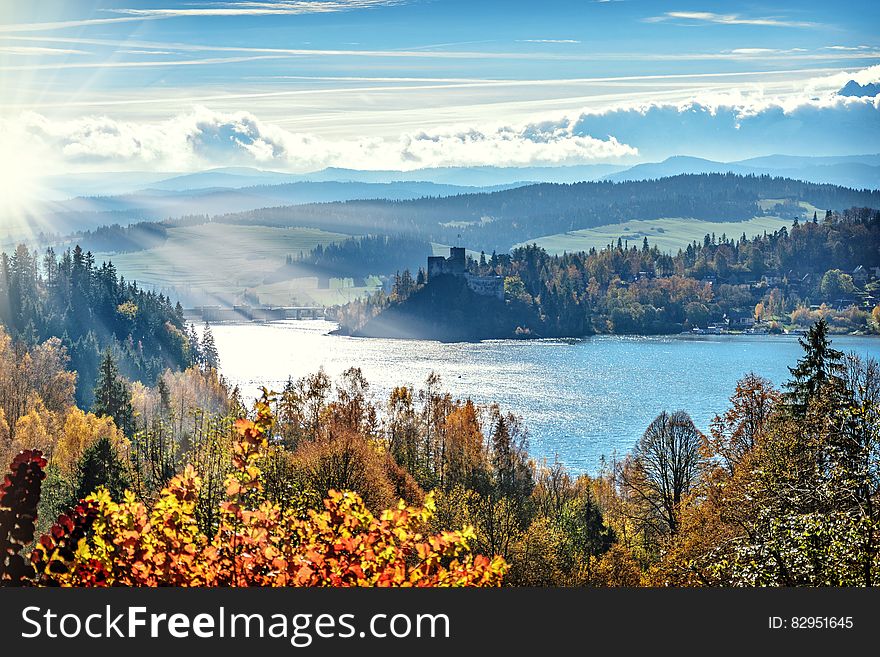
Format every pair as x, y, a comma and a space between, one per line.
337, 332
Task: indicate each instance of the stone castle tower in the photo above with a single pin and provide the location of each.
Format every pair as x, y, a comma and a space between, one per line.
456, 265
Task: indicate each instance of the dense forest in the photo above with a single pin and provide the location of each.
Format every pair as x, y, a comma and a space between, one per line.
123, 239
782, 491
90, 309
498, 220
357, 258
789, 277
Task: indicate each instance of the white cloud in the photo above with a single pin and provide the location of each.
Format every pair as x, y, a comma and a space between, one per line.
204, 138
548, 41
209, 9
533, 144
261, 8
727, 19
739, 124
39, 50
847, 48
718, 122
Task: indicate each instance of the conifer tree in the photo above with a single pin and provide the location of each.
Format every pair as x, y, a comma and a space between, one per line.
113, 396
100, 465
210, 356
818, 372
194, 349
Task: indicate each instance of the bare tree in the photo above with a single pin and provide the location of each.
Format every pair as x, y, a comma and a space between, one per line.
663, 468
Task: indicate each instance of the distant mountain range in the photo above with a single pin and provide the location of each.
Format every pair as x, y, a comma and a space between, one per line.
853, 88
83, 213
128, 197
123, 183
856, 171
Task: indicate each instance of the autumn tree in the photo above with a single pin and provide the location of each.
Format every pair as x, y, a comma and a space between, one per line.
733, 434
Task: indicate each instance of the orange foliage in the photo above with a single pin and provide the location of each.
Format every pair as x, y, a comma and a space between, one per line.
257, 543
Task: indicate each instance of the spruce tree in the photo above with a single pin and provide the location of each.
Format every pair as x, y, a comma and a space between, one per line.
817, 373
100, 465
112, 395
194, 349
210, 356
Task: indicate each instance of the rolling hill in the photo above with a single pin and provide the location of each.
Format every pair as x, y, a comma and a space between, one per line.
498, 220
858, 172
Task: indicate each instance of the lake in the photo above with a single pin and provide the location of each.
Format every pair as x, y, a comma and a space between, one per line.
581, 400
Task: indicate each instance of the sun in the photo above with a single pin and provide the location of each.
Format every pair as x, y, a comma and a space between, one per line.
22, 192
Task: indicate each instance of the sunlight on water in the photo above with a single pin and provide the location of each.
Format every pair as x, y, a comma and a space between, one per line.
581, 400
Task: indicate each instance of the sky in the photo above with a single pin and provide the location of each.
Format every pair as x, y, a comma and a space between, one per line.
299, 85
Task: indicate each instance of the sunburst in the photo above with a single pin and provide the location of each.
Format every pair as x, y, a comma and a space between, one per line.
22, 189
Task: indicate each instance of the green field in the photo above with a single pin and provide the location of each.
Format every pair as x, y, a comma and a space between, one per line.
669, 234
808, 209
222, 261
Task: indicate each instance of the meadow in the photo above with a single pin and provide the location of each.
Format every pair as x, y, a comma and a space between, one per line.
222, 260
668, 234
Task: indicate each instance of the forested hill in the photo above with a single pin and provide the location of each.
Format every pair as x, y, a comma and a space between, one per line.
789, 278
497, 220
91, 309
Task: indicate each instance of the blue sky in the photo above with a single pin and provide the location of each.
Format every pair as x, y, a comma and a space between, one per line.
302, 84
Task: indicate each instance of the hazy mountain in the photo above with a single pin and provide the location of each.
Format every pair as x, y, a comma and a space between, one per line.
104, 183
240, 177
676, 166
117, 183
794, 161
857, 171
229, 177
479, 176
154, 204
853, 88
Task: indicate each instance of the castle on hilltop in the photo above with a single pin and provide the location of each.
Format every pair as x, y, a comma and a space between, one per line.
456, 265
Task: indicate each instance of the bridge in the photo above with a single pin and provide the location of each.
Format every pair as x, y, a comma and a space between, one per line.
252, 313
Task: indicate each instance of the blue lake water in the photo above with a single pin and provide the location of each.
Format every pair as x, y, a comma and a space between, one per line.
581, 400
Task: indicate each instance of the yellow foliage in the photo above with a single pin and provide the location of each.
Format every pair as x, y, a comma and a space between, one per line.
128, 309
103, 542
81, 430
36, 429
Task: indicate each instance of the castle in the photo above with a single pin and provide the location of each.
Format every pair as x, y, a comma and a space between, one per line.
456, 265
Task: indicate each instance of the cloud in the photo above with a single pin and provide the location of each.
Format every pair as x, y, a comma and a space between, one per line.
205, 138
847, 48
532, 144
548, 41
38, 50
726, 19
261, 8
736, 126
60, 25
209, 9
716, 123
147, 52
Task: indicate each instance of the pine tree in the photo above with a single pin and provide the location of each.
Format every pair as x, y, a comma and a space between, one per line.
164, 394
817, 373
194, 350
100, 465
112, 395
210, 356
